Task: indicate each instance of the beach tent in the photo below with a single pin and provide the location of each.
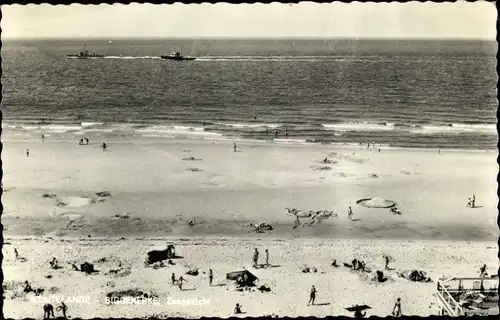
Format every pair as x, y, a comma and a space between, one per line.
245, 274
160, 255
358, 308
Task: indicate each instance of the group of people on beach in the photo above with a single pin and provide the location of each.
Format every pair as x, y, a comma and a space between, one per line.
255, 259
180, 281
48, 310
86, 141
471, 203
396, 310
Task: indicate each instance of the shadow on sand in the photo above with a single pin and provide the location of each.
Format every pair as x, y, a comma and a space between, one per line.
321, 304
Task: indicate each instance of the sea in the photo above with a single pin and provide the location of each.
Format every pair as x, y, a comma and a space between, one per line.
392, 93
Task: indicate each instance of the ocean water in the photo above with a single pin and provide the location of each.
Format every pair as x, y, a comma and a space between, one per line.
422, 94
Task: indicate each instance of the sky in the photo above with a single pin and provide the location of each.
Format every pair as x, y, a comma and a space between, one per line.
428, 20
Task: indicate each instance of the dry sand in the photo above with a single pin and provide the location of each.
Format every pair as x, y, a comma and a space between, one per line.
156, 188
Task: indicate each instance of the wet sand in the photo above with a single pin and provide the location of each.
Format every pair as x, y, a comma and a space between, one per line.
157, 187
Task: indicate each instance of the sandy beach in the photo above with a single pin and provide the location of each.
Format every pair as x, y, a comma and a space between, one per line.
78, 203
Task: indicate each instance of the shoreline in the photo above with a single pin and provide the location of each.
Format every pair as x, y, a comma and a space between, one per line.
243, 141
350, 134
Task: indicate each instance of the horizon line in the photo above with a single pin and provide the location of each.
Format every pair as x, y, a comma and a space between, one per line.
244, 38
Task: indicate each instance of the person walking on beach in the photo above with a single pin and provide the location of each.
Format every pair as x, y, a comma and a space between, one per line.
387, 260
286, 134
234, 146
63, 308
255, 258
312, 296
473, 202
180, 282
267, 258
276, 132
43, 138
210, 276
27, 153
173, 279
350, 214
104, 147
482, 271
396, 311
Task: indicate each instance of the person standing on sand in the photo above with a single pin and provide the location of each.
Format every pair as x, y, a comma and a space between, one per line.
267, 258
48, 310
173, 279
473, 202
86, 140
255, 258
43, 138
396, 311
276, 132
482, 271
210, 276
350, 214
181, 282
63, 308
387, 260
312, 296
104, 147
27, 153
234, 146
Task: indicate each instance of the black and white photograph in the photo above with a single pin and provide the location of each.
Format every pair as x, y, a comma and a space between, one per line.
249, 160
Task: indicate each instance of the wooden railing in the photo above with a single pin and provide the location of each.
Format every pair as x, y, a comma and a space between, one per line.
447, 301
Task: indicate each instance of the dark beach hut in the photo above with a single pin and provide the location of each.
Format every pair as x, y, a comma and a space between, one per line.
244, 278
160, 255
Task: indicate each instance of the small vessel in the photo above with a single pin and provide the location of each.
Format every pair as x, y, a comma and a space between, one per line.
178, 57
84, 54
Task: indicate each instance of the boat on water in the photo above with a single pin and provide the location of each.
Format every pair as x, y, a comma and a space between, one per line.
85, 54
178, 57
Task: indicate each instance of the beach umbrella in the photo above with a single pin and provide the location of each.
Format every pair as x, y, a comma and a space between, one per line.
358, 308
